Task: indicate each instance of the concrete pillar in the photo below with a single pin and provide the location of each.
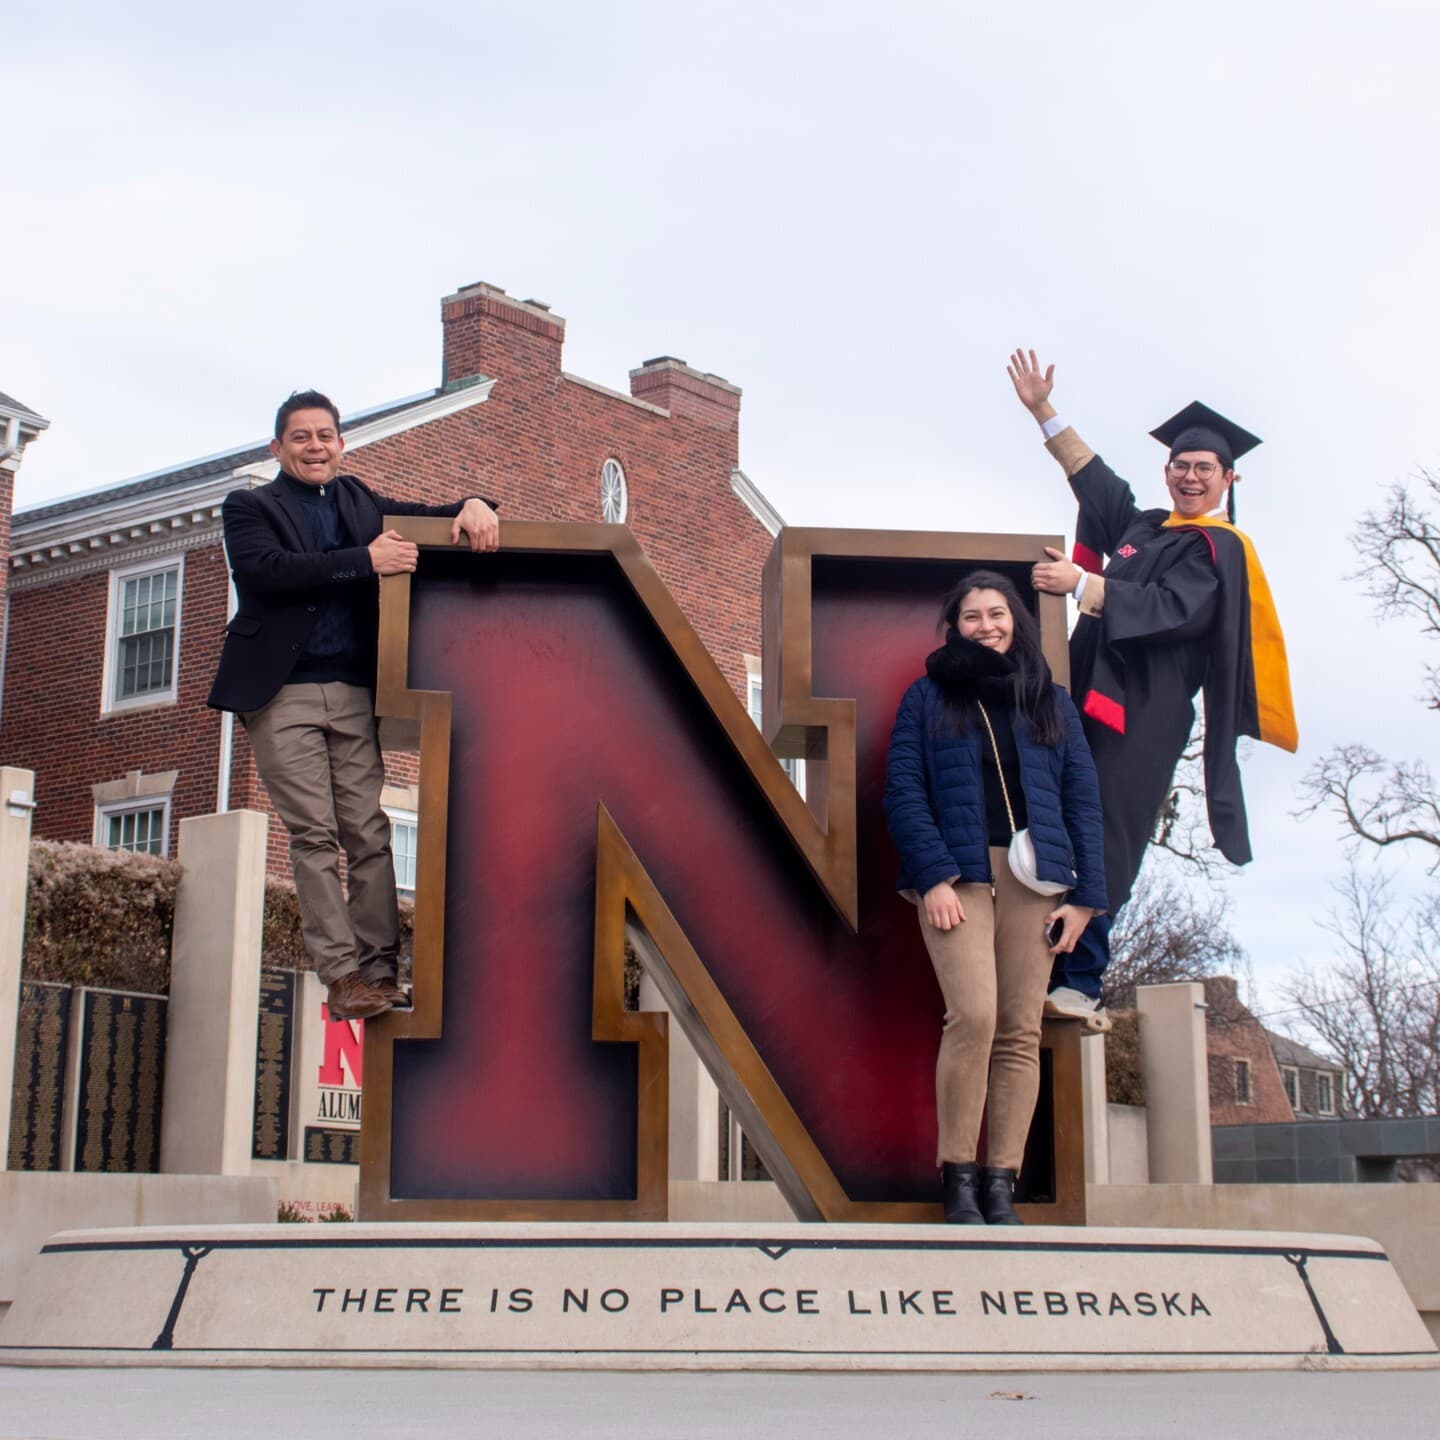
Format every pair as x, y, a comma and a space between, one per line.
1094, 1102
1177, 1082
214, 996
17, 800
694, 1102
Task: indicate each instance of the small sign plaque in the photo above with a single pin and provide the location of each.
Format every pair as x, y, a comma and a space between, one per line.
41, 1036
122, 1071
274, 1046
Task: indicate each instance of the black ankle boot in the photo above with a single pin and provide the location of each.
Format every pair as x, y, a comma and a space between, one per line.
997, 1196
959, 1185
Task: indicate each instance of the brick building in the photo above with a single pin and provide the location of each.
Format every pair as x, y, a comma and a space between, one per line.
1245, 1082
1313, 1085
118, 598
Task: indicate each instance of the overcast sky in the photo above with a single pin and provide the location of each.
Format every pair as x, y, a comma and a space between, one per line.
852, 211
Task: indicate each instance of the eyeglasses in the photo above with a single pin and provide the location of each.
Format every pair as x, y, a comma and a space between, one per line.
1204, 469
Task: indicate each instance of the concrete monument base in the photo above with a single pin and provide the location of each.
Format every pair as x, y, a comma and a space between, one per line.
677, 1296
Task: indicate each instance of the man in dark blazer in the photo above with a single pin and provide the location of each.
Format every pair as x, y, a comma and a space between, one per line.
298, 666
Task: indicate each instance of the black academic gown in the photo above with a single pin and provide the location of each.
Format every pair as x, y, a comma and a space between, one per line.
1139, 663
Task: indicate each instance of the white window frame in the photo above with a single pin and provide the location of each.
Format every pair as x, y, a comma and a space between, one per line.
1290, 1080
111, 703
754, 703
1244, 1090
104, 814
754, 695
400, 816
1326, 1079
624, 487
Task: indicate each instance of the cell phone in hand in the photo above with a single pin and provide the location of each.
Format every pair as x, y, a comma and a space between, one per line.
1053, 934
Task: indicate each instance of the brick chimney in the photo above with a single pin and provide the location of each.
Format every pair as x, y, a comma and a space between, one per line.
683, 391
488, 332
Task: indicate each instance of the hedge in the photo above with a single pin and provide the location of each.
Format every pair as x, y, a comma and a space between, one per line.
105, 918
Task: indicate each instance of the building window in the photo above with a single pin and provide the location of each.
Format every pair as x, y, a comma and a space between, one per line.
755, 704
1324, 1093
755, 697
614, 495
404, 830
1242, 1082
144, 636
142, 827
1290, 1077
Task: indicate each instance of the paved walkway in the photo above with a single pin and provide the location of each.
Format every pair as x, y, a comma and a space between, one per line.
394, 1405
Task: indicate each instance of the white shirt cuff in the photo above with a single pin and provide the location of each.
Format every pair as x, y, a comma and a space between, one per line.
1080, 585
1050, 428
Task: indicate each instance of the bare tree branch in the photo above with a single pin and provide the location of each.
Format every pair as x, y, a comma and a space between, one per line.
1399, 549
1382, 802
1376, 1009
1169, 932
1379, 801
1182, 828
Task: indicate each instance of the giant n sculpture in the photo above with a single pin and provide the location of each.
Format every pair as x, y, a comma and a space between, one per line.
587, 774
587, 777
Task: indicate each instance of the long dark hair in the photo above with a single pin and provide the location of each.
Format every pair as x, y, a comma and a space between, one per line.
1034, 689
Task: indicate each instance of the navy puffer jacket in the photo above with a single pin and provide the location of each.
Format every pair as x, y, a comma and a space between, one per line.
935, 799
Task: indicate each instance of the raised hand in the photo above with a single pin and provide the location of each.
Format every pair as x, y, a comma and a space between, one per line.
1032, 388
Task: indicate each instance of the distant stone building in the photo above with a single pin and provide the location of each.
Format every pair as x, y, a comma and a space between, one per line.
1258, 1077
1312, 1084
119, 597
1245, 1083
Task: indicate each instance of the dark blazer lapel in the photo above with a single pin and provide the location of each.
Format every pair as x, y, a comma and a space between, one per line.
349, 497
291, 512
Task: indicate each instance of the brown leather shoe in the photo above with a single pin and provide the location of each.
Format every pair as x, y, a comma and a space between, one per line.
393, 991
350, 998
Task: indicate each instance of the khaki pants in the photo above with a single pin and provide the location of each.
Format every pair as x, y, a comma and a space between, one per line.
318, 753
993, 970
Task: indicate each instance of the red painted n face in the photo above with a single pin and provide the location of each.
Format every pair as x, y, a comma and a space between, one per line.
568, 696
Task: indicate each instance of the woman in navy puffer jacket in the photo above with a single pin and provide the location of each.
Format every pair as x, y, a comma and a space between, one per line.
984, 738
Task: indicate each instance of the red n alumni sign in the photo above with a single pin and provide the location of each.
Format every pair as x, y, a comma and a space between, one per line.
584, 768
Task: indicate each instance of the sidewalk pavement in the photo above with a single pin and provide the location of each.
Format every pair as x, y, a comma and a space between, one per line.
150, 1404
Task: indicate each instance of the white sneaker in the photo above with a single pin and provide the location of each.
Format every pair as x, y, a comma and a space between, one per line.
1074, 1006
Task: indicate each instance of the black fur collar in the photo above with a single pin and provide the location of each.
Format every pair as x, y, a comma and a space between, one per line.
963, 669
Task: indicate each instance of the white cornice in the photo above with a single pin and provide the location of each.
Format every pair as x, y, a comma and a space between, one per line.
605, 390
28, 419
755, 502
158, 522
139, 543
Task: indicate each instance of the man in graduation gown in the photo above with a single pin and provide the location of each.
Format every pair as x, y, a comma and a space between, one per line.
1181, 605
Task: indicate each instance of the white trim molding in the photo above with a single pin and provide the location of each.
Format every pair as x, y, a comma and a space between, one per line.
610, 394
755, 502
135, 785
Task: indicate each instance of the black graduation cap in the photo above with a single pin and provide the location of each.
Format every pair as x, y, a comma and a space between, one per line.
1198, 427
